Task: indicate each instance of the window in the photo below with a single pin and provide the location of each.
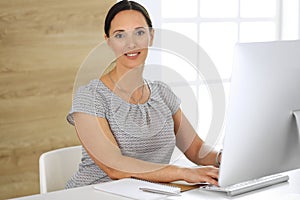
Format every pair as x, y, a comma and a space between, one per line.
216, 26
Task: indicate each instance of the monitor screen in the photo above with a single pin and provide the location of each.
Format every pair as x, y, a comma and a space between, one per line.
261, 133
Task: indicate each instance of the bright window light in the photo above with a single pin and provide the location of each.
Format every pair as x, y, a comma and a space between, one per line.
257, 31
218, 40
179, 8
187, 29
179, 66
290, 21
218, 8
258, 8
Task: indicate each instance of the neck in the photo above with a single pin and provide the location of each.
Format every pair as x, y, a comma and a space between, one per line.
128, 80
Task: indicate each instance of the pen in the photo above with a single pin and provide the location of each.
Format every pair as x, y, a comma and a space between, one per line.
158, 191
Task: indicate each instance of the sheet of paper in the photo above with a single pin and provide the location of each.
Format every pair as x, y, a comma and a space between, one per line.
130, 188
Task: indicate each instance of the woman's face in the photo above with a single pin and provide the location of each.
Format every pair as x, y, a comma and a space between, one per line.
129, 37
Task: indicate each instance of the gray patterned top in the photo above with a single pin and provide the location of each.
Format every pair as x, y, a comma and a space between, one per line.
142, 131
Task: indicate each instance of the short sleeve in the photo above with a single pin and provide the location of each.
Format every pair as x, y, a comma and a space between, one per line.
87, 100
169, 97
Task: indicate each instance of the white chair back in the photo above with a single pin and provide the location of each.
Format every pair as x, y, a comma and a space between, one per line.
57, 166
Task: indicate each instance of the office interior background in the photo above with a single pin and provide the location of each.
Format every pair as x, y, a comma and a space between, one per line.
43, 44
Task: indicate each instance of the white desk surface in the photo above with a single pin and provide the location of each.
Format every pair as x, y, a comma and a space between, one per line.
284, 191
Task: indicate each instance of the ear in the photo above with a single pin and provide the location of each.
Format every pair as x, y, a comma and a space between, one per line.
151, 37
107, 40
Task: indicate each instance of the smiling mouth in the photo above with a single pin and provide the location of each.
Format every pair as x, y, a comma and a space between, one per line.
132, 54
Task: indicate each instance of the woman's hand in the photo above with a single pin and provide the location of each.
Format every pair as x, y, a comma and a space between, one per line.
207, 174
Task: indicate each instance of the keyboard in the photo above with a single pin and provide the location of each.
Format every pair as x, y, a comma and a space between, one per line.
248, 186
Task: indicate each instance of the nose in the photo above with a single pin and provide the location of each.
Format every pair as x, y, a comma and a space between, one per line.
131, 43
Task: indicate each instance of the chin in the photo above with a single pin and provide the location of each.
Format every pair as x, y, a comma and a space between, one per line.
133, 65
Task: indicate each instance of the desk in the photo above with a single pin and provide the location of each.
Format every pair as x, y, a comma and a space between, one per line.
285, 191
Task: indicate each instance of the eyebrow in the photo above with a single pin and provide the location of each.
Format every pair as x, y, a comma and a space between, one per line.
118, 31
122, 30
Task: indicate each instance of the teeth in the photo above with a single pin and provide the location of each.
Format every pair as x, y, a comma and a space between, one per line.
131, 54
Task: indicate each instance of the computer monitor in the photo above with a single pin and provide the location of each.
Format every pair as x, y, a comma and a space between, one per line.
261, 134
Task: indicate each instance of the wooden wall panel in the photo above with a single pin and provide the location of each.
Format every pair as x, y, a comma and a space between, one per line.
42, 44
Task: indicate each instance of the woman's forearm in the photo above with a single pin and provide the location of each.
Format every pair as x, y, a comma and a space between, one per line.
165, 173
162, 173
201, 154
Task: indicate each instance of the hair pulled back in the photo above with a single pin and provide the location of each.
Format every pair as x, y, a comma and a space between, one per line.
122, 6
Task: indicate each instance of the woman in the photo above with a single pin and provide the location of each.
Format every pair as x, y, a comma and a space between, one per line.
129, 126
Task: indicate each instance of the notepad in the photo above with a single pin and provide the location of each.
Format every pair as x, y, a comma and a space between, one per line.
132, 188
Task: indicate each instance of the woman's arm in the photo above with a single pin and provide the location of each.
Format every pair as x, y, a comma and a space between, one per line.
190, 143
96, 137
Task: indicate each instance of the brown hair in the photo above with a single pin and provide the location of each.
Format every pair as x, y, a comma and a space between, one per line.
121, 6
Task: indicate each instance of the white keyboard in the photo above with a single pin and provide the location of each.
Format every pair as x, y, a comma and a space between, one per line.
248, 186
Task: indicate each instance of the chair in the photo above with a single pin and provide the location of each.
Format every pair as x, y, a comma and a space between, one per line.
57, 166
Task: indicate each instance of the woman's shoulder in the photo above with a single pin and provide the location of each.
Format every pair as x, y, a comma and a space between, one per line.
88, 99
91, 87
94, 89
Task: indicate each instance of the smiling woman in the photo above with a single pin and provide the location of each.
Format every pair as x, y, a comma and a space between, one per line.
129, 126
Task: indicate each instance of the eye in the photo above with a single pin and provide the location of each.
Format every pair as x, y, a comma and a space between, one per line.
140, 32
119, 35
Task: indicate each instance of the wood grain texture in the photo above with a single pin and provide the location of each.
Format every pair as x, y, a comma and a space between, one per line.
42, 44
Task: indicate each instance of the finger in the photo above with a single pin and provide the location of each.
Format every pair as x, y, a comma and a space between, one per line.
211, 181
214, 174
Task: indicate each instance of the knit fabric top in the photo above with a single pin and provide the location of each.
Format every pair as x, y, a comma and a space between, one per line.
142, 131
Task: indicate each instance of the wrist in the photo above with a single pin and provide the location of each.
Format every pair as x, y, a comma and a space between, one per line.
182, 173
